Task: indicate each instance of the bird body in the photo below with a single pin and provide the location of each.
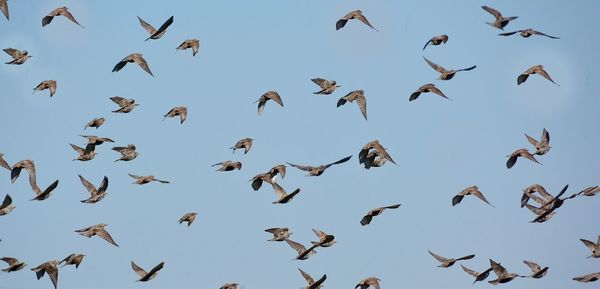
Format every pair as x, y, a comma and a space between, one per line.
359, 97
327, 86
19, 56
194, 44
500, 21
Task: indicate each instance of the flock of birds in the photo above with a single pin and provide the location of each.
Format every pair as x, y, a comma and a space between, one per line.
372, 154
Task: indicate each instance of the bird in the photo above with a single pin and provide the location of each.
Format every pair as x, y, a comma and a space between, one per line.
19, 56
4, 8
60, 11
446, 74
189, 218
327, 86
318, 170
96, 140
537, 272
229, 286
429, 87
500, 21
96, 195
359, 97
125, 105
283, 196
156, 34
42, 195
588, 278
49, 267
590, 191
594, 247
437, 40
227, 166
3, 163
245, 144
543, 146
180, 111
512, 158
529, 193
85, 154
6, 207
268, 177
13, 264
141, 180
46, 84
97, 230
325, 240
553, 204
375, 212
527, 32
146, 276
134, 57
96, 122
378, 148
128, 153
29, 166
537, 69
478, 276
73, 259
279, 234
303, 253
449, 262
469, 191
269, 95
312, 284
368, 282
194, 44
502, 274
356, 14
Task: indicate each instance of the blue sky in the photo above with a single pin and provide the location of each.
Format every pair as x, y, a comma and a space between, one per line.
250, 47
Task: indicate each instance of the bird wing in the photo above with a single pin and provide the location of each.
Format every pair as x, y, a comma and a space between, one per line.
320, 82
373, 282
543, 34
340, 23
438, 257
14, 53
364, 20
137, 269
319, 233
274, 96
296, 246
545, 136
383, 153
142, 63
119, 65
308, 278
534, 267
7, 201
532, 141
106, 236
4, 164
467, 69
522, 78
366, 220
469, 271
543, 73
52, 271
301, 167
279, 190
69, 16
195, 47
279, 169
468, 257
10, 260
156, 268
429, 41
149, 28
121, 101
362, 103
498, 269
47, 19
437, 68
492, 11
273, 230
589, 244
436, 90
163, 27
477, 193
78, 149
88, 186
509, 33
4, 8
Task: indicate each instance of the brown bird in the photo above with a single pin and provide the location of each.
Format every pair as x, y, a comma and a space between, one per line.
449, 262
537, 272
40, 196
553, 204
429, 87
437, 40
283, 196
478, 276
502, 273
327, 87
269, 95
279, 234
180, 111
303, 253
73, 259
3, 163
96, 122
141, 180
19, 56
375, 212
146, 276
96, 140
194, 44
6, 207
368, 282
542, 146
318, 170
595, 247
446, 74
96, 195
501, 21
472, 191
245, 144
268, 177
29, 166
128, 153
588, 278
97, 230
312, 284
230, 286
325, 240
61, 11
4, 8
378, 148
49, 267
189, 218
156, 34
46, 84
359, 97
13, 264
526, 33
356, 14
512, 158
86, 154
228, 166
538, 69
590, 191
374, 159
134, 57
125, 105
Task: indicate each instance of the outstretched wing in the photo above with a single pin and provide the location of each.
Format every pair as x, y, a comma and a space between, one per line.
147, 26
137, 269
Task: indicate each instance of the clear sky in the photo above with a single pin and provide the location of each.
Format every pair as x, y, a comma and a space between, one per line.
250, 47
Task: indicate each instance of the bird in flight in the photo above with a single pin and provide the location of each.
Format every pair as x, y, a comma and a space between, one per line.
96, 195
194, 44
524, 153
429, 87
594, 247
46, 84
245, 144
142, 180
125, 105
537, 69
49, 267
537, 272
318, 170
478, 276
376, 212
146, 276
96, 122
134, 57
13, 264
156, 34
368, 282
279, 234
446, 74
500, 21
542, 146
437, 40
359, 97
356, 14
19, 56
469, 191
180, 111
312, 284
189, 218
97, 230
446, 262
73, 259
327, 86
61, 11
269, 95
526, 33
227, 166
